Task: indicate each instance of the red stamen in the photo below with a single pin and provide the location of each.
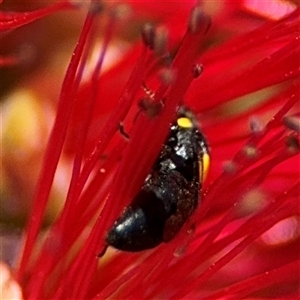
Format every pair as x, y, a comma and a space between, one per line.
54, 148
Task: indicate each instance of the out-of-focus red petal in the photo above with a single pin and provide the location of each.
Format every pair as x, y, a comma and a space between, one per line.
12, 20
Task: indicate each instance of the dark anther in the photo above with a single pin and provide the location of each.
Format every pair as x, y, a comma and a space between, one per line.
199, 21
292, 143
148, 35
152, 108
160, 41
292, 122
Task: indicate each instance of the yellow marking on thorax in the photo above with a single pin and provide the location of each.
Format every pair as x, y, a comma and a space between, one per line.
184, 123
205, 166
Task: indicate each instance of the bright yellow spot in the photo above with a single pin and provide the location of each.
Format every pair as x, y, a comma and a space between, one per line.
205, 165
24, 123
252, 202
184, 122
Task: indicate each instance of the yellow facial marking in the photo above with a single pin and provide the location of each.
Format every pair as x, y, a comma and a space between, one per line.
184, 123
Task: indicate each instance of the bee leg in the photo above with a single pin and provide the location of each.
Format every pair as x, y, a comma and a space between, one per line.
123, 132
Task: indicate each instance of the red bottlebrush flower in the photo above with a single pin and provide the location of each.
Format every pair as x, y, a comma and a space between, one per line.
243, 239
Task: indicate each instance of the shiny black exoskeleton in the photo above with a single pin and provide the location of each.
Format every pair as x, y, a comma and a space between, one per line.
170, 192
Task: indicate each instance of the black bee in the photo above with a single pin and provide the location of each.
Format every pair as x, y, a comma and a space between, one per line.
170, 192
